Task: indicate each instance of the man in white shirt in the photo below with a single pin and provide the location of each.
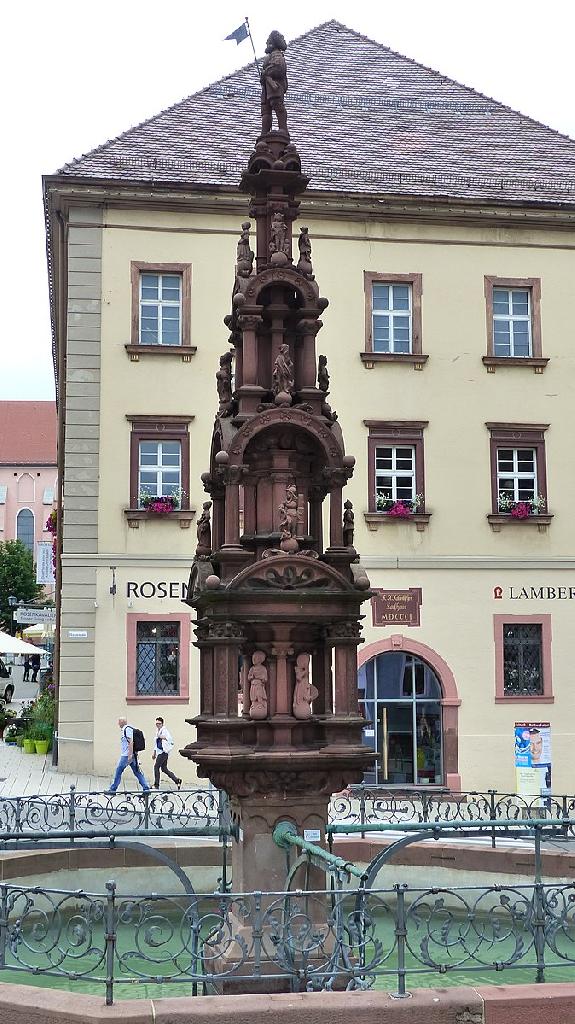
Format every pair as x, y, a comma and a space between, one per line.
162, 747
127, 757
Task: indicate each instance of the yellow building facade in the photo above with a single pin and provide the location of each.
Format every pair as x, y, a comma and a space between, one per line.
449, 345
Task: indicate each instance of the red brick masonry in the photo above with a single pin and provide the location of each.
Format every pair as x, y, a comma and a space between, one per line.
543, 1004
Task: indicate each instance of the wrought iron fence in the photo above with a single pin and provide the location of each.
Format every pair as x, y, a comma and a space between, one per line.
76, 813
365, 805
391, 938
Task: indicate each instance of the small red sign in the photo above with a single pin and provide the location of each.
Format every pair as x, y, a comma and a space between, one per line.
396, 607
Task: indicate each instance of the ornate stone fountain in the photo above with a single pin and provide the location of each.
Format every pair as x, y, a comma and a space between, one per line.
277, 611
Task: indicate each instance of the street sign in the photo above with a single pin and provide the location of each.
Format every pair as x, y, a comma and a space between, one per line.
31, 616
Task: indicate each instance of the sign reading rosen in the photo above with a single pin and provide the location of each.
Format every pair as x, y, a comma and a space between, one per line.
176, 591
396, 607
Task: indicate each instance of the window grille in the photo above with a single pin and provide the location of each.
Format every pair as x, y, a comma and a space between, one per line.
522, 660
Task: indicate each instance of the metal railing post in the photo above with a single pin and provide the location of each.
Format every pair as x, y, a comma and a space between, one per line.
257, 933
539, 911
72, 811
400, 935
362, 809
110, 940
146, 796
564, 814
492, 815
18, 815
3, 923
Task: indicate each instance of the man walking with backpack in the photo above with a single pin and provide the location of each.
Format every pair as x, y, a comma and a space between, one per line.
162, 747
131, 742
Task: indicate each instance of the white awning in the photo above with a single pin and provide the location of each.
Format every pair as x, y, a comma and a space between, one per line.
12, 645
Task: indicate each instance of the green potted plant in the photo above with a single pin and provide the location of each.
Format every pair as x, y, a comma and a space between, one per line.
42, 733
28, 743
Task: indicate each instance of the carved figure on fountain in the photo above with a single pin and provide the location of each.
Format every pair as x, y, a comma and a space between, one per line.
283, 376
274, 81
305, 692
204, 531
304, 265
258, 679
224, 384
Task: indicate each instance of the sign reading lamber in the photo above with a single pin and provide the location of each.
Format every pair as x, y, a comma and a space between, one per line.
32, 616
396, 607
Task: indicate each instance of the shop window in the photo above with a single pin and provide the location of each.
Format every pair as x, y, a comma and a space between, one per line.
513, 310
161, 310
393, 318
401, 698
159, 458
25, 528
523, 658
158, 658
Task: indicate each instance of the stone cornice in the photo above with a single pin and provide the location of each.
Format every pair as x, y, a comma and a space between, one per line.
63, 191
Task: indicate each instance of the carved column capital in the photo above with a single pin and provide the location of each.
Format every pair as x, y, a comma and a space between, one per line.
249, 323
348, 630
225, 631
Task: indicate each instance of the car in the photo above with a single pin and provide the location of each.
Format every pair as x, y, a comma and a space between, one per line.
8, 688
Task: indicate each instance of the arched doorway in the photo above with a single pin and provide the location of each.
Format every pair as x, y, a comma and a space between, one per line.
408, 696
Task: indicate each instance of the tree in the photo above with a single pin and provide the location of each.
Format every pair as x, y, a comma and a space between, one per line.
17, 578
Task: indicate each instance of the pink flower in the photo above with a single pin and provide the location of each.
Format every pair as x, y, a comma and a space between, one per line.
521, 510
400, 510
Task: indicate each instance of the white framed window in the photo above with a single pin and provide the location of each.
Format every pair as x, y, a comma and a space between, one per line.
517, 473
160, 309
159, 468
395, 473
512, 335
392, 317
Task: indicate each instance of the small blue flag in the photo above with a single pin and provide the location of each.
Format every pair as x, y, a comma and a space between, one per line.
240, 34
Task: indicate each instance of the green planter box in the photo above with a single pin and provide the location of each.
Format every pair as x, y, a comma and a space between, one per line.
29, 747
42, 746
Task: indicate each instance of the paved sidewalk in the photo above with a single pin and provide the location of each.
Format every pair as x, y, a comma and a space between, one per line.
32, 774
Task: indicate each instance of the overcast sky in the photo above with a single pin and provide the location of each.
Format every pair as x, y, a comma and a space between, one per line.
75, 75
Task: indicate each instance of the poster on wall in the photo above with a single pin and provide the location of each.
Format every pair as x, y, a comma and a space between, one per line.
44, 566
533, 758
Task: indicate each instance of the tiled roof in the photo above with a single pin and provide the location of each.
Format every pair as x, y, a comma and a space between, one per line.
364, 118
28, 433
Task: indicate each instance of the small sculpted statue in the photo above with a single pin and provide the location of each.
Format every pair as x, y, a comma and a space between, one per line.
305, 692
288, 513
204, 531
283, 372
322, 374
279, 244
348, 524
224, 384
304, 245
257, 678
274, 81
245, 256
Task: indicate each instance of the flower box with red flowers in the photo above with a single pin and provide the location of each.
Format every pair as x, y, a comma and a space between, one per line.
400, 508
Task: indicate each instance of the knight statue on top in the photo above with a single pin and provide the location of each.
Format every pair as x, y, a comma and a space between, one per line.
274, 83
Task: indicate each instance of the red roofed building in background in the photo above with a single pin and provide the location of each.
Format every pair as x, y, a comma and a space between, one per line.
27, 471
